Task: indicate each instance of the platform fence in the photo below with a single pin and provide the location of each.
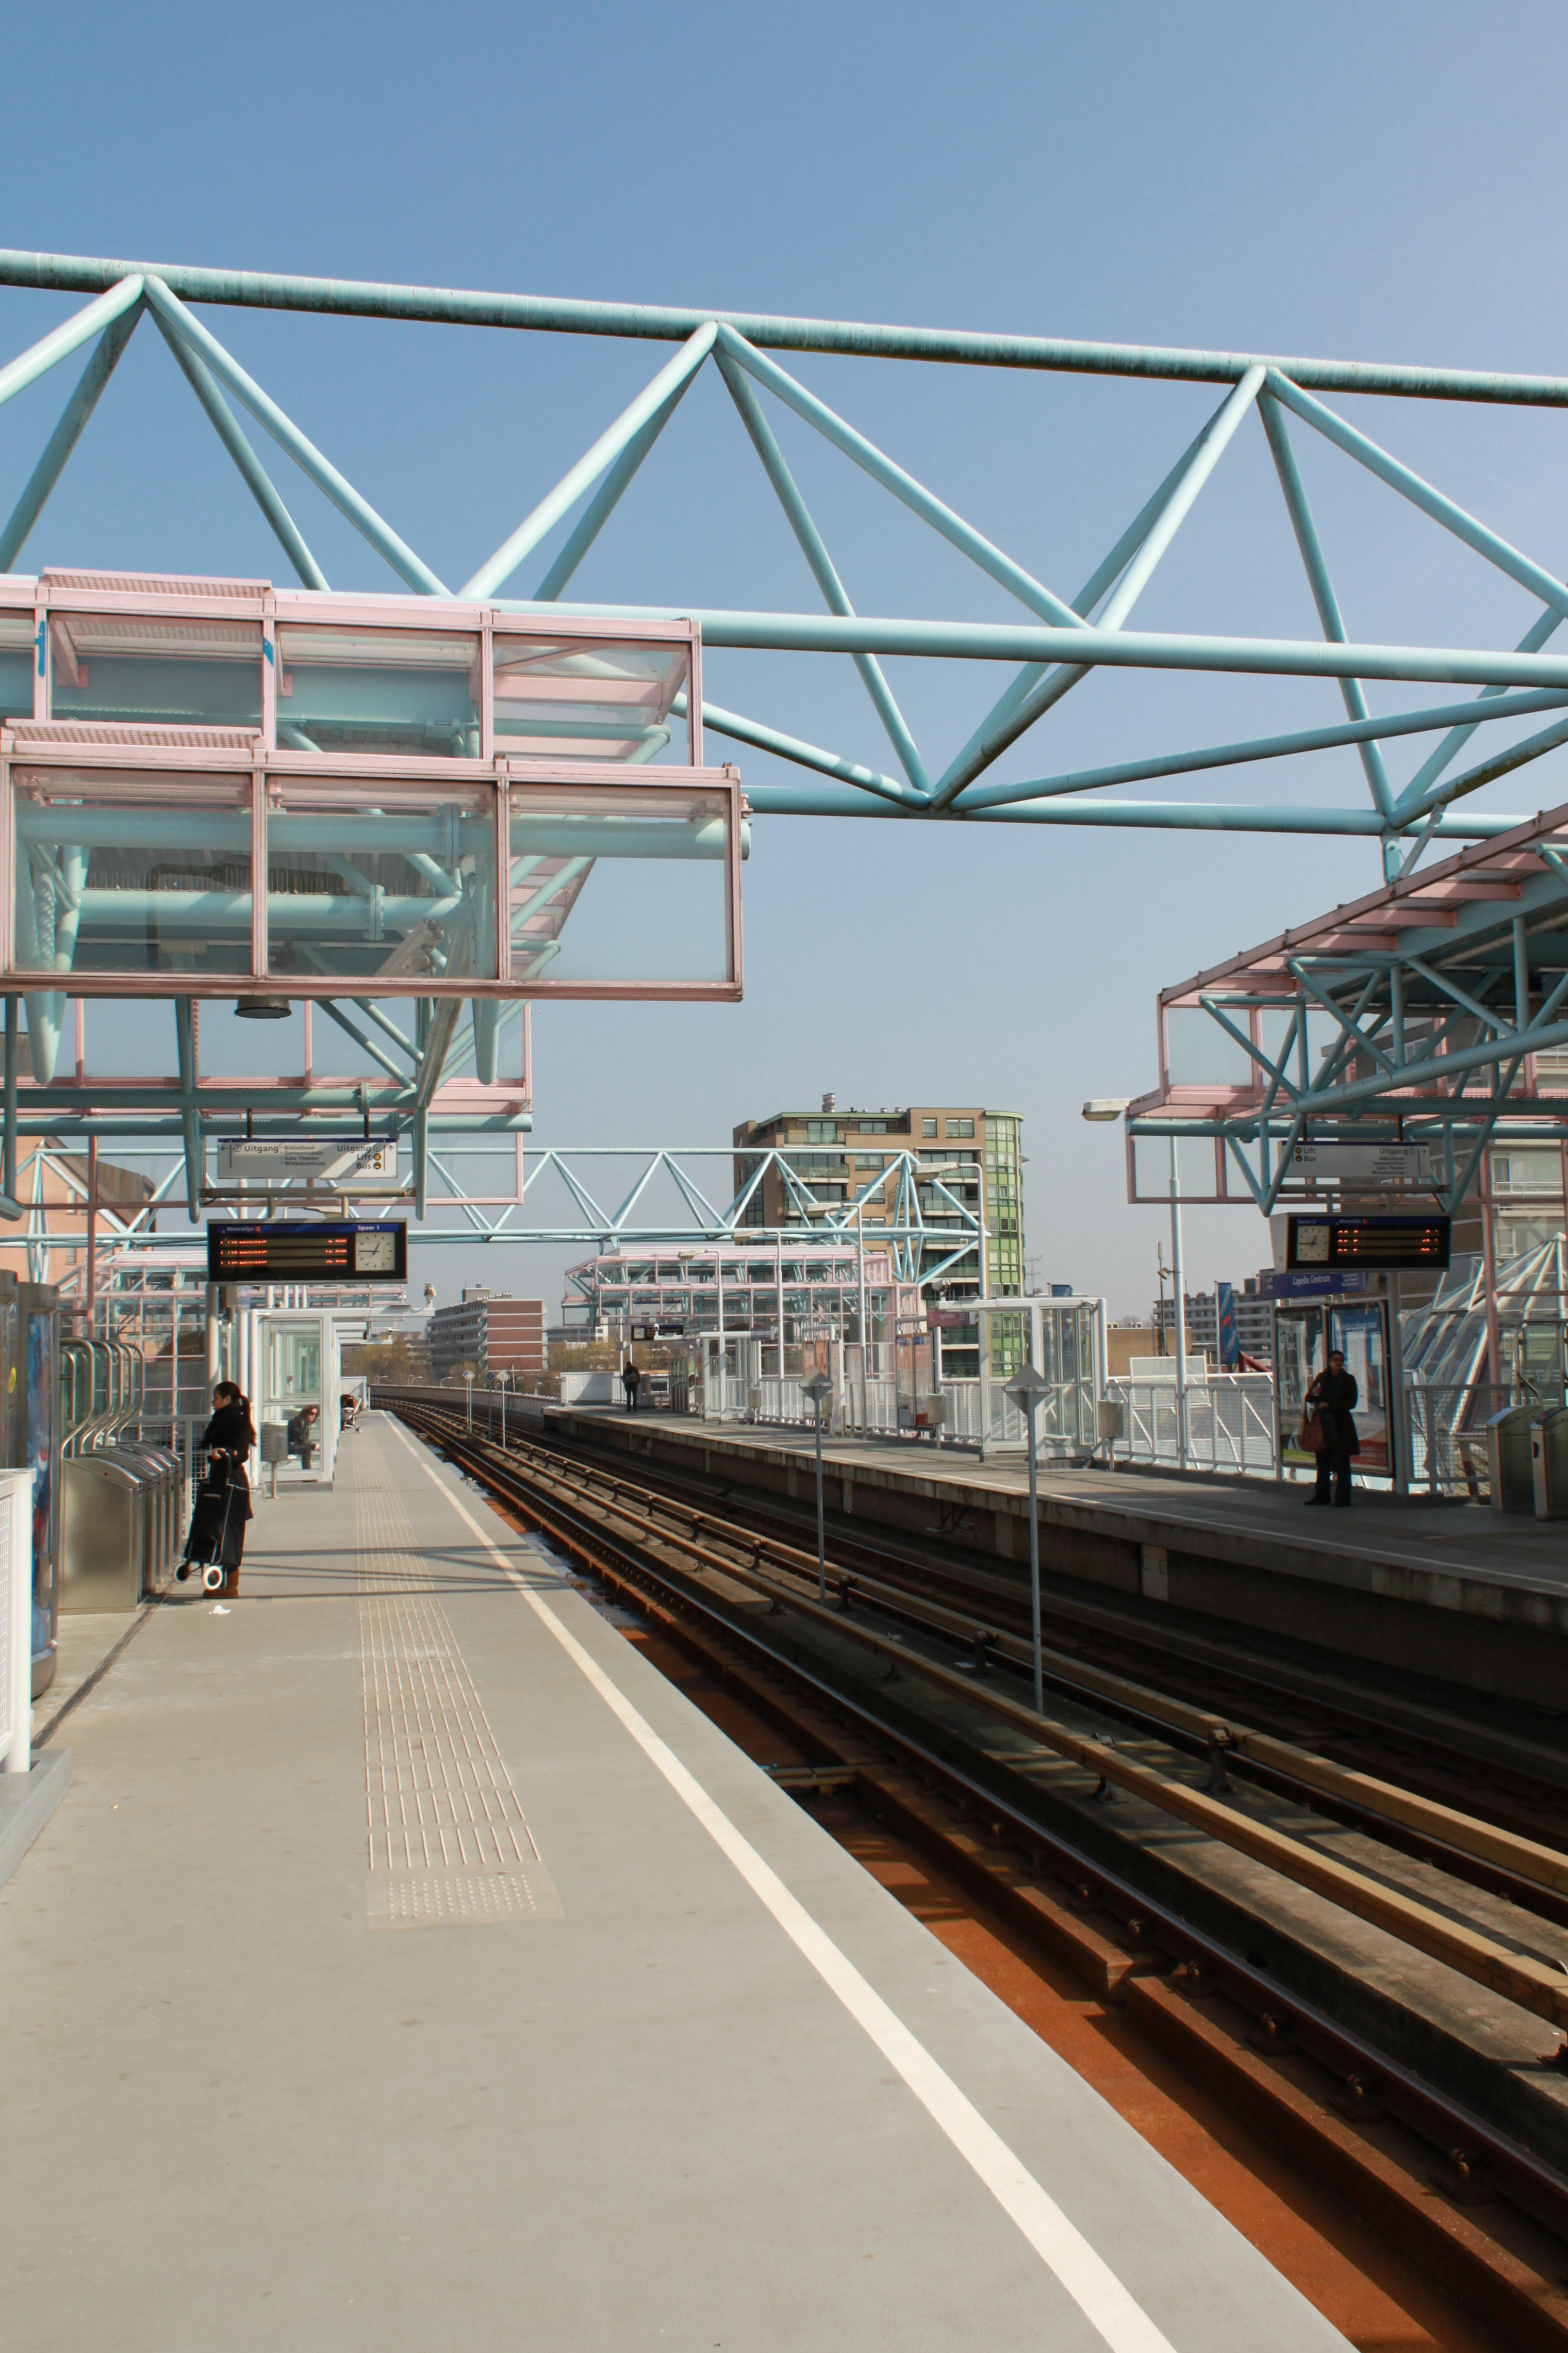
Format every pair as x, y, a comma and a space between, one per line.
1446, 1427
1230, 1424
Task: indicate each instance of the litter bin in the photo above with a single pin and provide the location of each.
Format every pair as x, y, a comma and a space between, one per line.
274, 1440
1509, 1453
1548, 1462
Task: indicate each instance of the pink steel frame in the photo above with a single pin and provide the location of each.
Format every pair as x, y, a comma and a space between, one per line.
235, 753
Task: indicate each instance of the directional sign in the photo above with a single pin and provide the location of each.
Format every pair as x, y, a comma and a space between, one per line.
340, 1167
1381, 1167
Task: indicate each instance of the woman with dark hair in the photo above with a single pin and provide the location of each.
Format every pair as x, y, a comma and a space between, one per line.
215, 1543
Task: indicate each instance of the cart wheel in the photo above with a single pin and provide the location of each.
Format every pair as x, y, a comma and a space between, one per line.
211, 1579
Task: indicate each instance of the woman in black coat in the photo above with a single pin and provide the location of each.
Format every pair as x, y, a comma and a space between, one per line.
1334, 1396
216, 1541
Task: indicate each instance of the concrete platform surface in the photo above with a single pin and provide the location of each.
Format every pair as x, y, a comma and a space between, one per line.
412, 1965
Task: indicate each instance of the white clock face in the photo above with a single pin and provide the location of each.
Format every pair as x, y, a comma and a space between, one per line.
1311, 1245
376, 1253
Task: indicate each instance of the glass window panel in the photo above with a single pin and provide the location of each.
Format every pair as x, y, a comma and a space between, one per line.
155, 669
413, 691
378, 879
618, 885
584, 700
15, 665
131, 873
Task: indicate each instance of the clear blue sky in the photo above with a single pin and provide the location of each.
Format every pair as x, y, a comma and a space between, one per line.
1366, 182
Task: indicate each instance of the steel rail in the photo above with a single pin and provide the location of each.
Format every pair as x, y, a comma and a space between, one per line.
1519, 1865
1370, 2075
452, 306
1521, 1978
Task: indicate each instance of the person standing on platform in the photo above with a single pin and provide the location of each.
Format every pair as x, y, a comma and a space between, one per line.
630, 1377
1333, 1397
215, 1543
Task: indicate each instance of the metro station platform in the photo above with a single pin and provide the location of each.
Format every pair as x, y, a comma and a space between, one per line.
411, 1964
1453, 1590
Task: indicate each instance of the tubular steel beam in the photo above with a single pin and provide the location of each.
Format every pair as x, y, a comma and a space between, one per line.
304, 452
67, 434
446, 306
253, 473
665, 388
823, 569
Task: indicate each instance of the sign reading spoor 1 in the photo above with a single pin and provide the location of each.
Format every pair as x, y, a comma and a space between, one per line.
1387, 1245
299, 1250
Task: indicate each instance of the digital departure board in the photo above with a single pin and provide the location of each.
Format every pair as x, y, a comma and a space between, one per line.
1378, 1245
314, 1250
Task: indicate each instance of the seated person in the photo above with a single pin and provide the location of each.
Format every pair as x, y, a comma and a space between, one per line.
302, 1434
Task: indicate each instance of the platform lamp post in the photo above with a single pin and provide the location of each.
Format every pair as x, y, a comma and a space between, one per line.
819, 1388
468, 1391
503, 1380
1026, 1388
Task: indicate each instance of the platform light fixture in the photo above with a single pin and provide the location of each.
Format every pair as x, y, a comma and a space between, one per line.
1106, 1106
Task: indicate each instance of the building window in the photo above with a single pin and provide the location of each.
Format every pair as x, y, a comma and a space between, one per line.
877, 1127
963, 1127
928, 1127
822, 1131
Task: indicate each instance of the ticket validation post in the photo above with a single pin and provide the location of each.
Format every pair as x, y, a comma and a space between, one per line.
1026, 1389
819, 1388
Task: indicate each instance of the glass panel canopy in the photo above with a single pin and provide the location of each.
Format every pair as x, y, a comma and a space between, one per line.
155, 669
583, 699
132, 872
390, 691
612, 886
409, 893
15, 665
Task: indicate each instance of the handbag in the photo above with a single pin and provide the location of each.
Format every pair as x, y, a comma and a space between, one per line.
1314, 1437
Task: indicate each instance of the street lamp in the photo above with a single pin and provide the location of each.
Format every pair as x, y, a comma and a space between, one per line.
468, 1391
1026, 1388
819, 1388
503, 1380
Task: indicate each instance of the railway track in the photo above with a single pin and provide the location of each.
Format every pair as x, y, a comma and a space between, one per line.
720, 1587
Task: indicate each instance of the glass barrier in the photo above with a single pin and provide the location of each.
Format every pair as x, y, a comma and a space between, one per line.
587, 700
617, 885
16, 664
154, 670
389, 690
128, 872
413, 894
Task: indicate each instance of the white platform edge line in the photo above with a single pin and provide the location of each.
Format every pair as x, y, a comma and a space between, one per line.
1093, 2286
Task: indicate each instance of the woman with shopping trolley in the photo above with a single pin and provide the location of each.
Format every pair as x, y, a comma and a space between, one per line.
215, 1543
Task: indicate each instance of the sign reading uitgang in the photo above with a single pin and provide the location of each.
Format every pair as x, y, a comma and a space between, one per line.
279, 1250
1386, 1245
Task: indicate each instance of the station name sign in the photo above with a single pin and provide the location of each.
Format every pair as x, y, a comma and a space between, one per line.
299, 1249
1377, 1245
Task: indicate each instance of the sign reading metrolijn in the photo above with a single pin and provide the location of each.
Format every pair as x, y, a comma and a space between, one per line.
1382, 1167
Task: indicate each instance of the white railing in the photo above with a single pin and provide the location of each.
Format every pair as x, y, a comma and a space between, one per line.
1229, 1423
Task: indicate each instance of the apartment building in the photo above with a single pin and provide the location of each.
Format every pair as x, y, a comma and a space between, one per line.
491, 1331
836, 1154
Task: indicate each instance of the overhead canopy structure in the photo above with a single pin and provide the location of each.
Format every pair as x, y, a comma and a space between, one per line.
437, 787
1433, 1013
